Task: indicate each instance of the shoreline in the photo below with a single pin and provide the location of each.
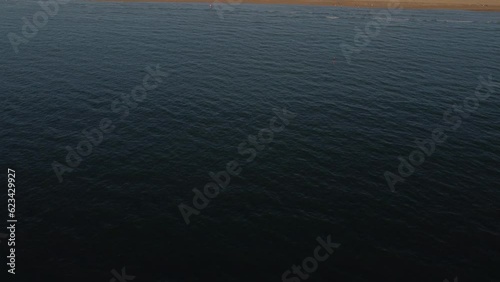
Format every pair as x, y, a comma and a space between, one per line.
474, 5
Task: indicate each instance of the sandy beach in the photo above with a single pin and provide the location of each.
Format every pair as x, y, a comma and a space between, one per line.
471, 5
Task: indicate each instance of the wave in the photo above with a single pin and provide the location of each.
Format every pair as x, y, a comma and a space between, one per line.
455, 21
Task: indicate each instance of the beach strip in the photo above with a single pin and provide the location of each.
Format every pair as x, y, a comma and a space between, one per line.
470, 5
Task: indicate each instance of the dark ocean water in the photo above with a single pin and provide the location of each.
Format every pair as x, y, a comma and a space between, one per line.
322, 175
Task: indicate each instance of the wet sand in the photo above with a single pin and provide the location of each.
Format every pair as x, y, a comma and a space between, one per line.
473, 5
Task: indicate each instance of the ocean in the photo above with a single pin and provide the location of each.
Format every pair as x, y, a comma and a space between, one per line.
116, 116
